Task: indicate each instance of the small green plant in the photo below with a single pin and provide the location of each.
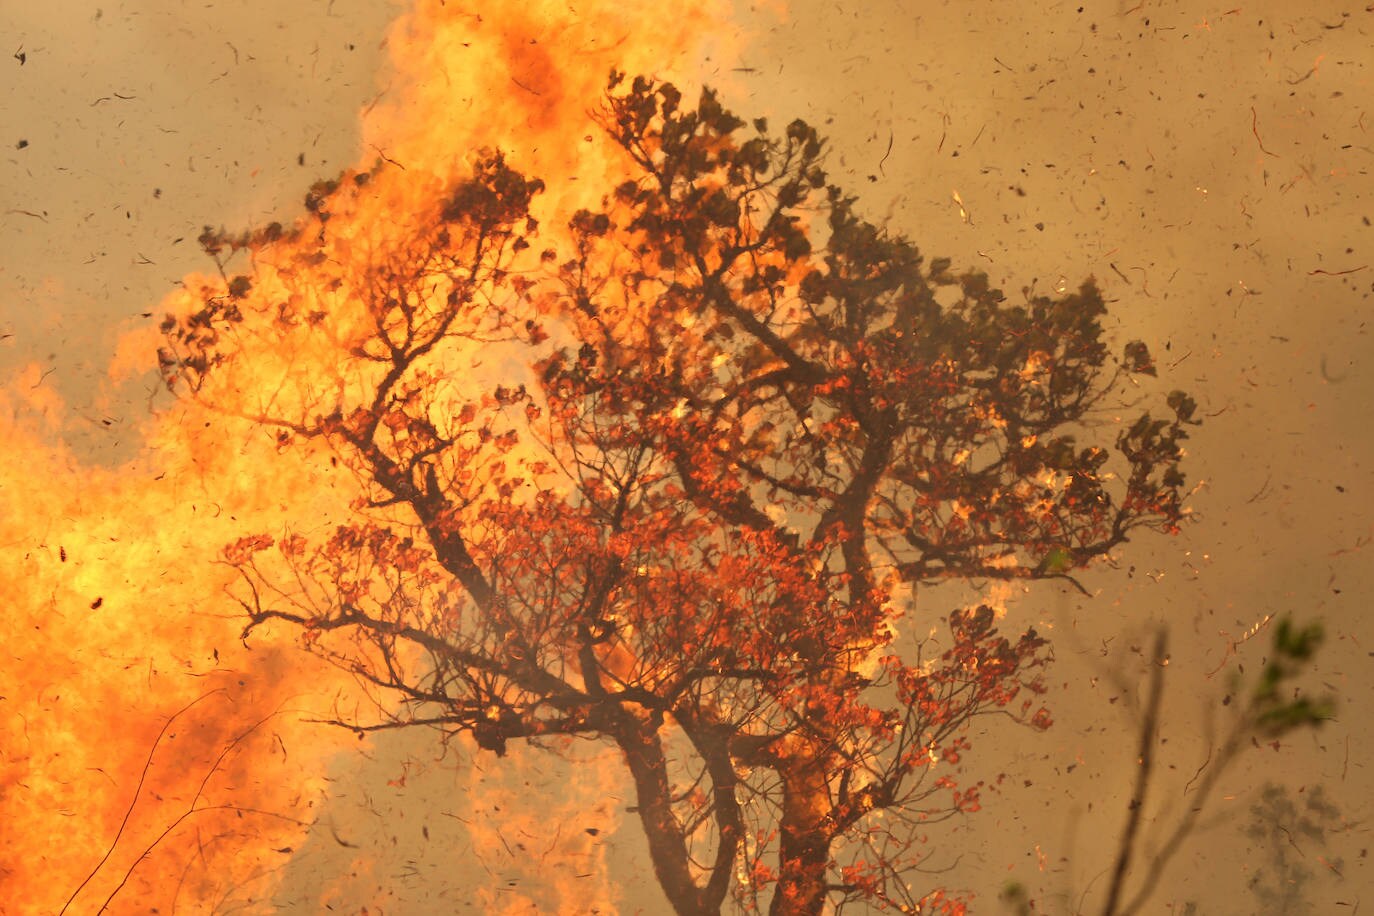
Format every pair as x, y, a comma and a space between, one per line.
1293, 650
1016, 899
1276, 707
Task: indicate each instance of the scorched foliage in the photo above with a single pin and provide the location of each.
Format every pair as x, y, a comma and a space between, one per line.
739, 425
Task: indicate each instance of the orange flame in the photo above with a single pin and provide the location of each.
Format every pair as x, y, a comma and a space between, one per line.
148, 756
114, 625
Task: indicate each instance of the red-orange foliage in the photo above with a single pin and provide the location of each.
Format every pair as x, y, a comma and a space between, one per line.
749, 421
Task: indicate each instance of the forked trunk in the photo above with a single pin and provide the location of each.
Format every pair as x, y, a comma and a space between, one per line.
667, 844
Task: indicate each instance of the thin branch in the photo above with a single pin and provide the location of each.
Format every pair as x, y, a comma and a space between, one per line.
133, 801
1142, 780
192, 809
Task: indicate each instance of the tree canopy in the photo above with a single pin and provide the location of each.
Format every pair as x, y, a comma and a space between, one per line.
744, 423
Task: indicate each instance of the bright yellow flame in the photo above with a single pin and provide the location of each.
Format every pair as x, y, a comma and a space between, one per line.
115, 613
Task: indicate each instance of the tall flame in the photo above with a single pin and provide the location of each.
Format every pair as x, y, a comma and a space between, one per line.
149, 756
115, 623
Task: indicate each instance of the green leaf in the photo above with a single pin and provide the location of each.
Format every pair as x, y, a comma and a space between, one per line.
1057, 562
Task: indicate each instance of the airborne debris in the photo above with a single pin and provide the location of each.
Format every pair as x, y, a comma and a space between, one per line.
963, 212
1254, 129
113, 95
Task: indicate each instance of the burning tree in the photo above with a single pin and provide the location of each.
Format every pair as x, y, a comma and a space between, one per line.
667, 477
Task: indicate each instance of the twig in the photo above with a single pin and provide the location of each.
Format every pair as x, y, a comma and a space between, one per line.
1254, 129
1336, 273
885, 154
1198, 773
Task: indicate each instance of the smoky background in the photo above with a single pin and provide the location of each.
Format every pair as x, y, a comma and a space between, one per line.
1210, 166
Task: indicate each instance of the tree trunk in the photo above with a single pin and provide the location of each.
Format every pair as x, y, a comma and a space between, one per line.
667, 844
804, 853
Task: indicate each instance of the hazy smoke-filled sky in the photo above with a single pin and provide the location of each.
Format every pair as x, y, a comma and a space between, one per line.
1211, 165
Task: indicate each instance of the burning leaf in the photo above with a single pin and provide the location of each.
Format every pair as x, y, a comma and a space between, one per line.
1137, 358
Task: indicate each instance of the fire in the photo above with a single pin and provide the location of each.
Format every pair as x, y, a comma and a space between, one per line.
523, 81
131, 708
150, 757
